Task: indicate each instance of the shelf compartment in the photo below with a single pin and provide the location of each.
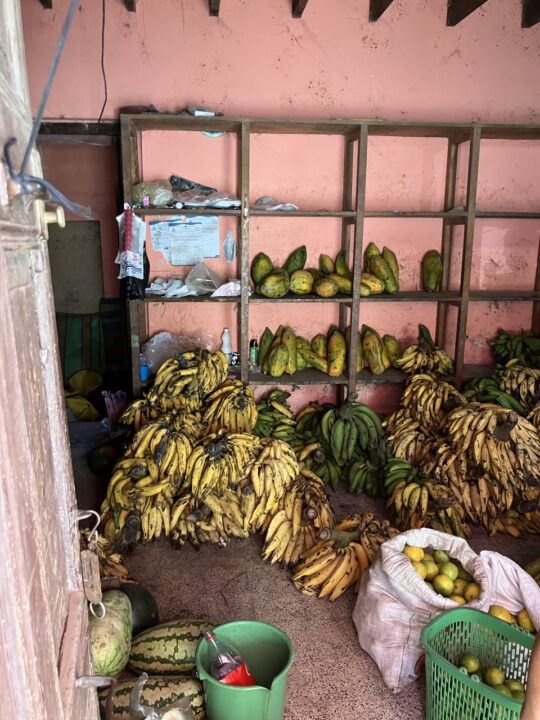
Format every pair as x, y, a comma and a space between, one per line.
165, 212
310, 298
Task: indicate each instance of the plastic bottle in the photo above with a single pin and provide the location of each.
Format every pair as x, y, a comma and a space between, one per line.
226, 663
226, 345
254, 351
229, 247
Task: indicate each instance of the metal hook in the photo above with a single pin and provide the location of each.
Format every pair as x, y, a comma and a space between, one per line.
83, 515
98, 605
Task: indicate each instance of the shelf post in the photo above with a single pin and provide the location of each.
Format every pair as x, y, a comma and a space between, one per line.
130, 156
361, 170
535, 326
138, 334
472, 182
243, 171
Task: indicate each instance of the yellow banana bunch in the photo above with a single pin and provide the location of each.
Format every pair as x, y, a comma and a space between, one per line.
231, 407
215, 521
139, 413
521, 382
419, 359
213, 369
111, 563
534, 416
428, 399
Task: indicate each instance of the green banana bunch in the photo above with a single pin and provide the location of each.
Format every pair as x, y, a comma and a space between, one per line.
275, 418
365, 477
486, 390
523, 347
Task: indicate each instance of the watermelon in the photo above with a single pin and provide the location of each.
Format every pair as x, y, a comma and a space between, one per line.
169, 648
110, 636
144, 611
158, 692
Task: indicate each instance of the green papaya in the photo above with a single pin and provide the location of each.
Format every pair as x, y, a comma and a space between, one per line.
381, 269
296, 260
393, 348
275, 342
375, 285
337, 353
319, 345
315, 360
374, 351
326, 264
301, 282
278, 359
261, 266
275, 285
266, 340
325, 287
432, 269
289, 340
393, 264
344, 284
364, 290
371, 250
342, 267
315, 274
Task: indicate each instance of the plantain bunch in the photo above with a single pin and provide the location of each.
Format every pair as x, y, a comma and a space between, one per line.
521, 382
425, 357
231, 407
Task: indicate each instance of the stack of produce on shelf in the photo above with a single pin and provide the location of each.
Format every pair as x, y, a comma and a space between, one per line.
486, 455
274, 282
338, 560
525, 348
381, 272
286, 352
432, 269
425, 356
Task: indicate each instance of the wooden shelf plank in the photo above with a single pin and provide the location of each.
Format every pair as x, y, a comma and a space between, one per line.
190, 298
377, 7
214, 7
458, 10
298, 7
291, 298
454, 215
165, 211
449, 296
508, 214
504, 295
304, 213
531, 13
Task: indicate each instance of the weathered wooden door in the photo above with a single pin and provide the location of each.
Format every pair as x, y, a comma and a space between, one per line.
43, 614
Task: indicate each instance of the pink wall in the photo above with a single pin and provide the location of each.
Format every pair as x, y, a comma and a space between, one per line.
255, 60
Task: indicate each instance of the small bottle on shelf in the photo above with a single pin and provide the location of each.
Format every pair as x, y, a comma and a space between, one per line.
226, 345
254, 352
226, 663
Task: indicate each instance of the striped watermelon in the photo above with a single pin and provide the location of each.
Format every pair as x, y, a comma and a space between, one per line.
110, 637
169, 648
158, 692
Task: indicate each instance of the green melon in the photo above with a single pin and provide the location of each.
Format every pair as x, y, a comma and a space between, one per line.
157, 693
110, 636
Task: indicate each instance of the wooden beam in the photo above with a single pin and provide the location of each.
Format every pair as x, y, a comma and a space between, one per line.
298, 7
458, 10
214, 7
130, 5
47, 4
377, 7
531, 13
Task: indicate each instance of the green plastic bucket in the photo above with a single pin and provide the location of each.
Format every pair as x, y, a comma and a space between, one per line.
268, 653
453, 694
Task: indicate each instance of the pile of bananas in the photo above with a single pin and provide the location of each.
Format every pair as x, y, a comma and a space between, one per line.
341, 556
419, 501
521, 382
425, 356
215, 521
276, 419
534, 416
524, 348
230, 407
409, 438
486, 390
429, 399
302, 511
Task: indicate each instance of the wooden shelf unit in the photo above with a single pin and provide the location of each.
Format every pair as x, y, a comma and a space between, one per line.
353, 214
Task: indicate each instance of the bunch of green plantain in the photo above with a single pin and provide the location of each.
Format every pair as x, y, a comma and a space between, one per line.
486, 390
524, 347
276, 419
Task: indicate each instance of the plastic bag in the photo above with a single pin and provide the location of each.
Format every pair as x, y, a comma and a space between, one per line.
267, 202
132, 237
195, 199
164, 345
511, 586
202, 280
180, 183
116, 404
230, 289
178, 710
229, 247
394, 603
159, 193
173, 287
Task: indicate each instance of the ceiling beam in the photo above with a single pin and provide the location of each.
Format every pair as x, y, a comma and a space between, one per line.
298, 7
531, 13
130, 5
47, 4
458, 10
377, 7
214, 7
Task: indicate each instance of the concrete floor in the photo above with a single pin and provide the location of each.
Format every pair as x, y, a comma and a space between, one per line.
332, 678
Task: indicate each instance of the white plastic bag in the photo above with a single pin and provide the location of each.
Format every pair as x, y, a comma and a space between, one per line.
511, 586
164, 345
394, 603
202, 280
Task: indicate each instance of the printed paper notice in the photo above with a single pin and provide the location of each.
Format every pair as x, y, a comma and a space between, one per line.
186, 240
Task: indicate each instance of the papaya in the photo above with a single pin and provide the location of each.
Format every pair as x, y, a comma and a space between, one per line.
266, 340
261, 266
301, 282
326, 264
359, 352
301, 364
374, 351
381, 269
325, 287
393, 348
315, 273
319, 345
432, 269
392, 261
315, 360
342, 268
337, 353
302, 343
375, 285
344, 284
296, 260
364, 290
278, 359
289, 340
275, 285
275, 342
371, 250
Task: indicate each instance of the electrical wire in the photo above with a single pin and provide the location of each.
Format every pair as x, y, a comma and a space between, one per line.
103, 61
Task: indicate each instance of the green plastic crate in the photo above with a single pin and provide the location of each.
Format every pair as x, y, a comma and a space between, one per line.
452, 694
